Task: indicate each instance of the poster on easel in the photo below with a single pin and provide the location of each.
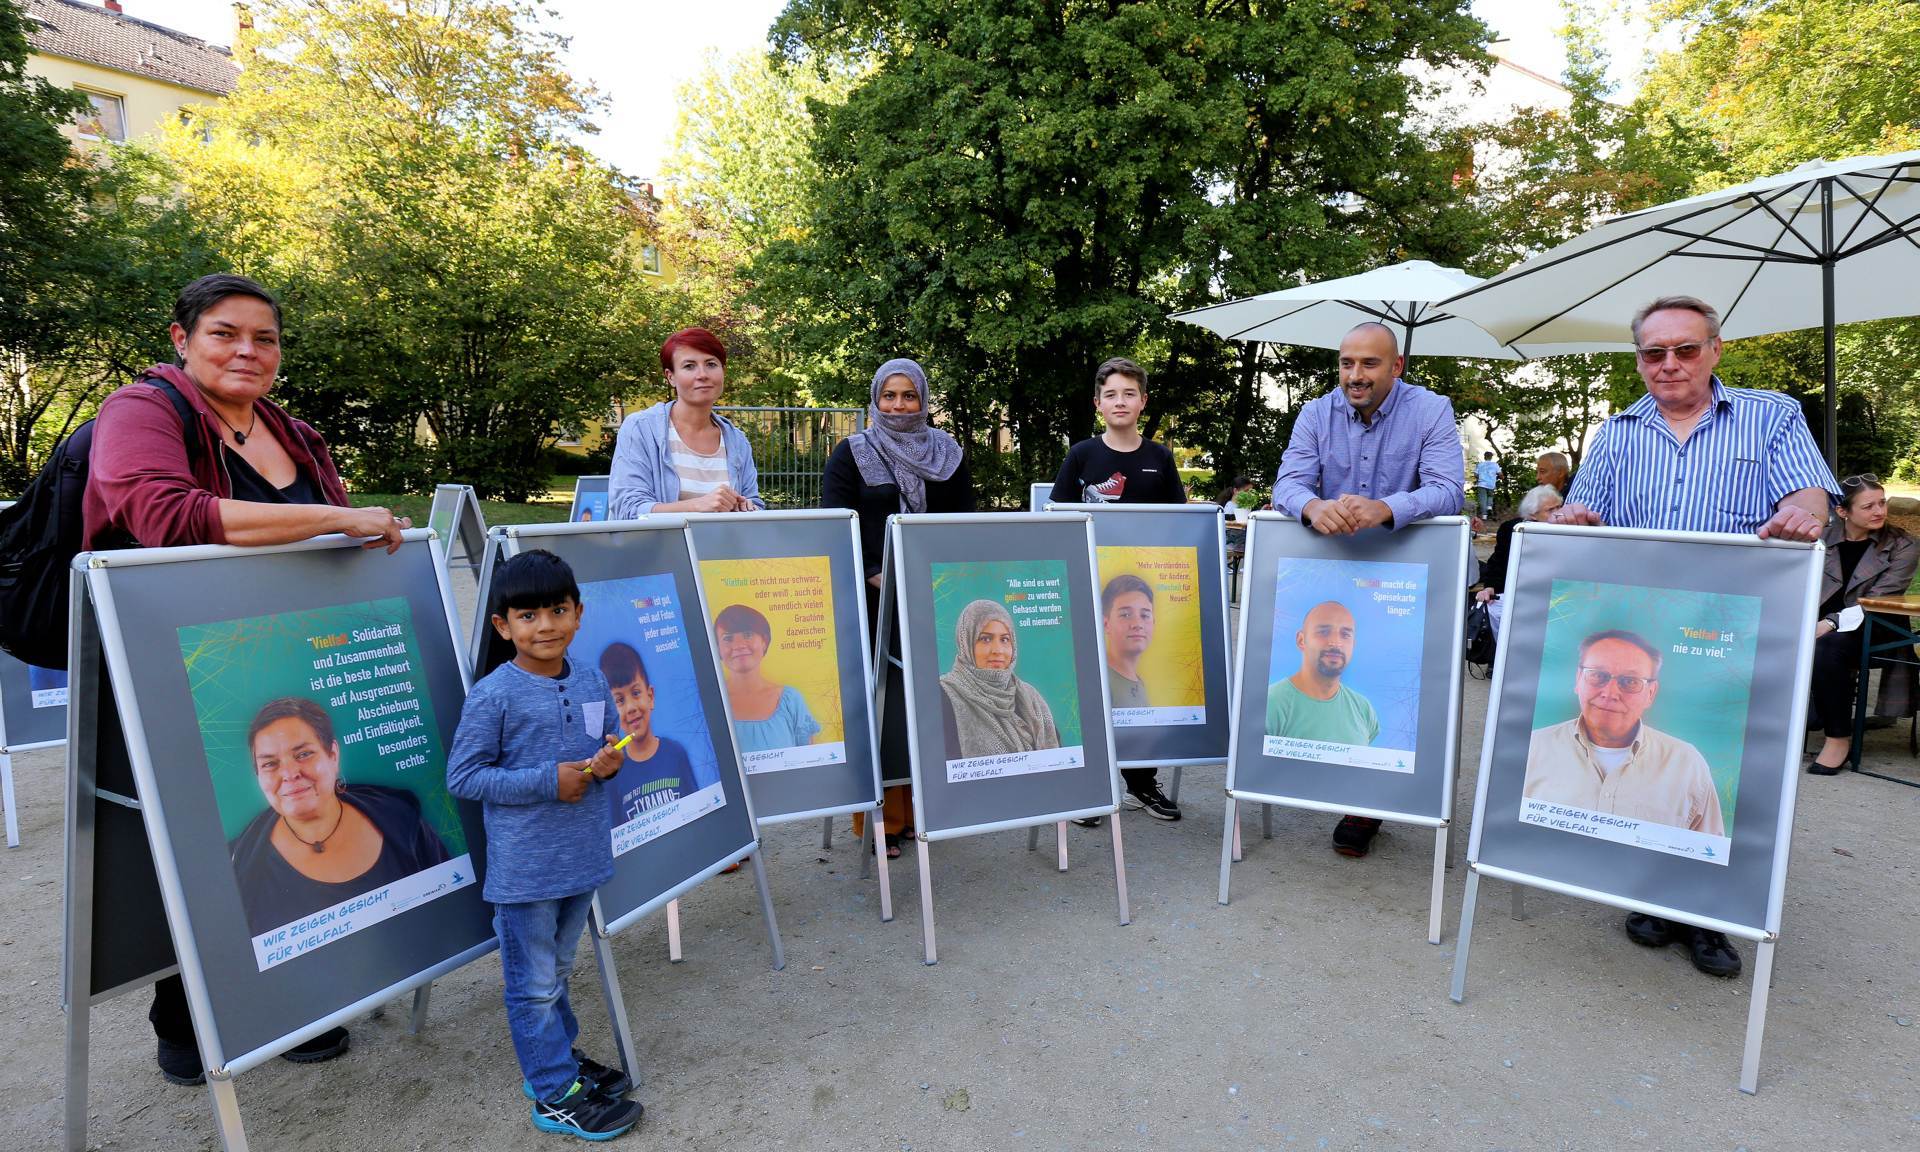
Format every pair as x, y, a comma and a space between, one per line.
290, 844
1347, 693
785, 605
1163, 621
1645, 729
681, 812
455, 518
33, 715
589, 501
1008, 718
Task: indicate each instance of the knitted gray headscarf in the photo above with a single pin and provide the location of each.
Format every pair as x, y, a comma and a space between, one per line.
994, 711
901, 448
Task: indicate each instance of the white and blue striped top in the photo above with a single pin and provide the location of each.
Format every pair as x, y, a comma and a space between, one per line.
1750, 449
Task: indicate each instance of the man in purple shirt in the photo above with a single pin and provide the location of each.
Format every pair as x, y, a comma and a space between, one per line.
1376, 452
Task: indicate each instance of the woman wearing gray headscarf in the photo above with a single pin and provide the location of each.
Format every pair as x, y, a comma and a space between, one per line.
988, 710
900, 463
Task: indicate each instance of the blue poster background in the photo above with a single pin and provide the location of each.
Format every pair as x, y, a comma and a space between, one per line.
615, 610
1388, 633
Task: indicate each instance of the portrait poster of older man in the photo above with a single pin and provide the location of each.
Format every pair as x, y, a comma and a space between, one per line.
1640, 718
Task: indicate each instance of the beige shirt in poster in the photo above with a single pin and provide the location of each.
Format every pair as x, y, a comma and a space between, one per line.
1665, 779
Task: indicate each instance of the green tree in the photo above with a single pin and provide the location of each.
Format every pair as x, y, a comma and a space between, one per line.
451, 260
1547, 175
1769, 84
742, 176
43, 190
1015, 192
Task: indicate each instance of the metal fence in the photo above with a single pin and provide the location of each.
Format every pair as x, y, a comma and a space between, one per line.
791, 446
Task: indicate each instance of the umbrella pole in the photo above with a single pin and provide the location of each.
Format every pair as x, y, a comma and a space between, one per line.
1406, 349
1826, 305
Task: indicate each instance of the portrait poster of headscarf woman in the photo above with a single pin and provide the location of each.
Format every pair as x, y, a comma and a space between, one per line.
1009, 702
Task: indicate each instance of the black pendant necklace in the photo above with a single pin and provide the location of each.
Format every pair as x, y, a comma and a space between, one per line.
319, 845
239, 437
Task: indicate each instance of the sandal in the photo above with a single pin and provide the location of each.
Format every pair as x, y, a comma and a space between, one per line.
893, 846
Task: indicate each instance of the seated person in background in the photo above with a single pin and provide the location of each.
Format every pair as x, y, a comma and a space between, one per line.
1229, 498
1553, 470
1866, 556
1536, 505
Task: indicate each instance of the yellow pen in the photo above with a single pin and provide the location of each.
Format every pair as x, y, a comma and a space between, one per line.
616, 748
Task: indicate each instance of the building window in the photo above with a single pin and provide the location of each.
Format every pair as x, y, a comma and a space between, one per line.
650, 259
106, 120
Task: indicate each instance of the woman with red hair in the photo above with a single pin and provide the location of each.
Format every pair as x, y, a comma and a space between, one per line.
679, 455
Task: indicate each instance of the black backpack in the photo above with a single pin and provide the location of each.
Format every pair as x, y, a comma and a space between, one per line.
1480, 645
41, 534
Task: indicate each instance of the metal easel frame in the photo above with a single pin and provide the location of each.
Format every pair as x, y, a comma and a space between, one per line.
1764, 938
600, 928
922, 837
872, 695
1441, 825
95, 647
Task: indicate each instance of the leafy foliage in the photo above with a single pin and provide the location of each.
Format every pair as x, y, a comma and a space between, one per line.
451, 261
1016, 191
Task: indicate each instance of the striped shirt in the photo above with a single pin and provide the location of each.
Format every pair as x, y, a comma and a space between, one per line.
698, 474
1749, 451
1408, 457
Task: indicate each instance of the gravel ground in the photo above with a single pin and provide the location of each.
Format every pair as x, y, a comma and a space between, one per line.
1309, 1014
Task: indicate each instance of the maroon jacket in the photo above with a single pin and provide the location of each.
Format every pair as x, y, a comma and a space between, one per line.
141, 482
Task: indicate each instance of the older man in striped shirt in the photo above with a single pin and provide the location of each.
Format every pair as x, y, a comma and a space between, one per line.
1694, 455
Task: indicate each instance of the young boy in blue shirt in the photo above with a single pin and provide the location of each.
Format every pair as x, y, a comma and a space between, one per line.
535, 741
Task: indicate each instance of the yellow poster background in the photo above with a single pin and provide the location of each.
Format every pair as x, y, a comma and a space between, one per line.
795, 594
1171, 668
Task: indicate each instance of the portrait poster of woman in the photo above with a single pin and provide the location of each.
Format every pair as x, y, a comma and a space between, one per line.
772, 621
1009, 696
328, 770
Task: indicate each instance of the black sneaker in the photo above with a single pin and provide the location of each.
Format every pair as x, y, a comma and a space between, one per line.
1353, 836
329, 1044
180, 1064
612, 1082
1712, 952
586, 1114
1154, 802
1650, 931
1091, 821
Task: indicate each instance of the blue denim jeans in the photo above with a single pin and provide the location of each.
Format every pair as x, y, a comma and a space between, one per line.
1485, 497
537, 944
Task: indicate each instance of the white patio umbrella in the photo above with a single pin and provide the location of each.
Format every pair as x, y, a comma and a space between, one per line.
1831, 242
1405, 297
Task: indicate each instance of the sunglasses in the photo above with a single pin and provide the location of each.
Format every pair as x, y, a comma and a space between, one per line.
1685, 353
1862, 480
1631, 685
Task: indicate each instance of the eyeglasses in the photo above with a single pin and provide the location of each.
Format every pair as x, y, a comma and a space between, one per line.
1863, 480
1685, 353
1631, 685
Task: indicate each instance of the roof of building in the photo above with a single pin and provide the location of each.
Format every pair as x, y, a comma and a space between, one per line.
94, 35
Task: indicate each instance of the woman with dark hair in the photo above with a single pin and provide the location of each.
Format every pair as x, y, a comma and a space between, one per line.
1866, 556
899, 463
193, 452
319, 842
246, 472
766, 715
680, 455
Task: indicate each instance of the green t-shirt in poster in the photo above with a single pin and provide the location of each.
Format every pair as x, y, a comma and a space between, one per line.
1346, 718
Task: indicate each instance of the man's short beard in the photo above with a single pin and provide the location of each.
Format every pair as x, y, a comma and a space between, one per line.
1320, 666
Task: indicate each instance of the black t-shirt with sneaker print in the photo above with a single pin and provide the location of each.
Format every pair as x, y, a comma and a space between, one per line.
1096, 474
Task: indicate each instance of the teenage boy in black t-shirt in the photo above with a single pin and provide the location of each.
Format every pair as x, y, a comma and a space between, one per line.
1120, 466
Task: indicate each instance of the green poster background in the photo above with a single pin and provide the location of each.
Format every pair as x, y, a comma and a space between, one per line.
236, 666
1703, 697
1043, 657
